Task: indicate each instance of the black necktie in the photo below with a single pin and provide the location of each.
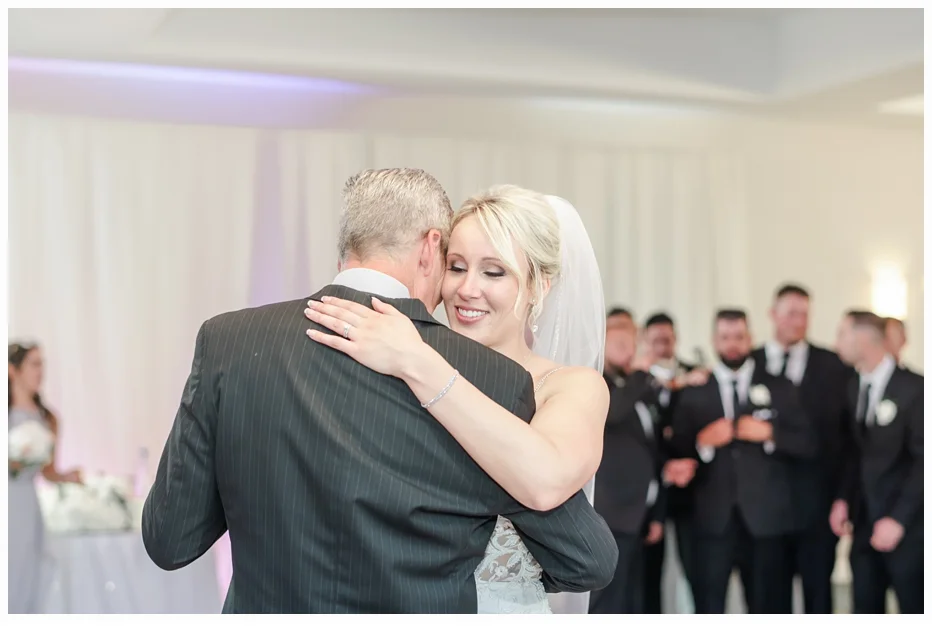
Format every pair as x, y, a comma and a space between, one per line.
786, 362
735, 401
863, 404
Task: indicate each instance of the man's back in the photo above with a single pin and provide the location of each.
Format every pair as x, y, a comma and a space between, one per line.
340, 493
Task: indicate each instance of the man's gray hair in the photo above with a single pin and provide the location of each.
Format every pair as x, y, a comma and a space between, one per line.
386, 211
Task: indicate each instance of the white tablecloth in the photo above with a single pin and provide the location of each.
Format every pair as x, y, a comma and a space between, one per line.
111, 573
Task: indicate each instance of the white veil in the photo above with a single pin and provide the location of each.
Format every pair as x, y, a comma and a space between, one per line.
571, 328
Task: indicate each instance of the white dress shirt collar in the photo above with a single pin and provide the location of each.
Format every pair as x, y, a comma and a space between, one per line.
796, 363
880, 375
371, 281
878, 380
726, 376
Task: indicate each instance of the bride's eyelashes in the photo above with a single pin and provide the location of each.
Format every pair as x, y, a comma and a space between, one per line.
490, 274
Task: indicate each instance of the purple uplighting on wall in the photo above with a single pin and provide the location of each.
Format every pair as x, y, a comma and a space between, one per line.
177, 74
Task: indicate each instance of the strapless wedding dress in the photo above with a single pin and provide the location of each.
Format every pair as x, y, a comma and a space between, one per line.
508, 578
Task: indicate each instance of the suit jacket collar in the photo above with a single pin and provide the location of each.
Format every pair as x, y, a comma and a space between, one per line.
898, 387
410, 307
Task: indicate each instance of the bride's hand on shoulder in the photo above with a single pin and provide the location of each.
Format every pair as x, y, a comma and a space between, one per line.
382, 338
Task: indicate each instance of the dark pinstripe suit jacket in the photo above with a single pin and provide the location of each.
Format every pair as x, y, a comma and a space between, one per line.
341, 494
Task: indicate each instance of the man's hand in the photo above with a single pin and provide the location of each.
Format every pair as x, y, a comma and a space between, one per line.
838, 518
754, 430
644, 360
887, 534
695, 377
680, 471
717, 434
654, 533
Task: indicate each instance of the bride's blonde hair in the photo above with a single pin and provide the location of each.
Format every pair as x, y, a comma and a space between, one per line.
511, 215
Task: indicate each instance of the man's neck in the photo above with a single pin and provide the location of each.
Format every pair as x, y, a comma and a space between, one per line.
384, 266
870, 364
785, 343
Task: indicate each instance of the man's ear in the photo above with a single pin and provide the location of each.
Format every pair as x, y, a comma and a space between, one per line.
430, 250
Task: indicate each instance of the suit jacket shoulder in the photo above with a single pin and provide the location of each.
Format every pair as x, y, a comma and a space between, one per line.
826, 359
905, 385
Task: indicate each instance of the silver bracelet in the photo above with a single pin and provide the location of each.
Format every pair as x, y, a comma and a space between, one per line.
443, 392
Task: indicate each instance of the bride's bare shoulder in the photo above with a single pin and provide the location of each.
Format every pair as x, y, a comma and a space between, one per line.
551, 378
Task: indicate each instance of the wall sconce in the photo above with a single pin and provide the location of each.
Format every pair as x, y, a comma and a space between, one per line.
888, 293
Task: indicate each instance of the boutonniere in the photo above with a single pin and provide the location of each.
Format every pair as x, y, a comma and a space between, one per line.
759, 395
885, 413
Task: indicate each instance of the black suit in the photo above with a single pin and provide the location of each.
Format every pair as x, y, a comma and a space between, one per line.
883, 477
743, 497
630, 462
811, 551
341, 494
678, 509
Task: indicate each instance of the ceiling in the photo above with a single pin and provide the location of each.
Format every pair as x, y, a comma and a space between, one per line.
825, 64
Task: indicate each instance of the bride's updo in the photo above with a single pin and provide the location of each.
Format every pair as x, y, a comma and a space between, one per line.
514, 216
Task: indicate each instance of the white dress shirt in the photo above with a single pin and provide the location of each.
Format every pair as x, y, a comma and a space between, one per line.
647, 422
371, 282
796, 363
725, 376
878, 380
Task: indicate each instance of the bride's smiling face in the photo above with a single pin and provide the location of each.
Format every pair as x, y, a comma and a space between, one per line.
479, 292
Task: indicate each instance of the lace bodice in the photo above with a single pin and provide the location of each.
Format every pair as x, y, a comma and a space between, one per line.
506, 557
508, 578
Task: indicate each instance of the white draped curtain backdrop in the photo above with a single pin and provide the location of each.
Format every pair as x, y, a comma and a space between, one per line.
125, 236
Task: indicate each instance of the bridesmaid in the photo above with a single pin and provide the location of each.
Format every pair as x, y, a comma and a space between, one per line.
26, 529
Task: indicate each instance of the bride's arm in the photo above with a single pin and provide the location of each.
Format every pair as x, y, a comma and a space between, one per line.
542, 464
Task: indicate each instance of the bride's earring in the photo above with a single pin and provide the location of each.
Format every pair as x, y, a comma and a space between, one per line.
534, 327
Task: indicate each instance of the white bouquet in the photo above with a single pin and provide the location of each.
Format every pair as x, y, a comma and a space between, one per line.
100, 504
30, 444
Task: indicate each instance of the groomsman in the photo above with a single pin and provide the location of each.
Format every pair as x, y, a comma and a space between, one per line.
748, 430
881, 490
628, 493
660, 339
895, 330
821, 379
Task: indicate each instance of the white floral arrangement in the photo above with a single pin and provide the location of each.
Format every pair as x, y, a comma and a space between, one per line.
31, 444
100, 504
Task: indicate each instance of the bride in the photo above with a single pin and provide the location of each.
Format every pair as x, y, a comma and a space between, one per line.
521, 279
